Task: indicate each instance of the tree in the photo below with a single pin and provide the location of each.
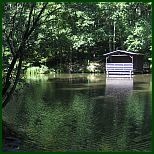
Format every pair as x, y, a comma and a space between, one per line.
139, 38
20, 24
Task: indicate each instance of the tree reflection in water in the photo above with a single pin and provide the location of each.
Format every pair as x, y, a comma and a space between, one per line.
83, 113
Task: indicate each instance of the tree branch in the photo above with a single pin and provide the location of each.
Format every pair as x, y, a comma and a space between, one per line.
35, 23
29, 19
7, 80
9, 43
9, 94
51, 13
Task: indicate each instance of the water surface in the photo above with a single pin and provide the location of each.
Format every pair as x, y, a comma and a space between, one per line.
83, 112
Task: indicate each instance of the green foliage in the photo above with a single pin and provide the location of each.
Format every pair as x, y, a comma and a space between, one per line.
140, 38
69, 32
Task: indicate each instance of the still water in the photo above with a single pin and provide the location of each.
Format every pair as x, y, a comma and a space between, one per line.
83, 112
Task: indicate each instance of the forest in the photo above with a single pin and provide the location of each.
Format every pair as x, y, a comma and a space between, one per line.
69, 37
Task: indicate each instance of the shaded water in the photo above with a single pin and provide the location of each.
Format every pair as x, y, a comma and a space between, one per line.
83, 112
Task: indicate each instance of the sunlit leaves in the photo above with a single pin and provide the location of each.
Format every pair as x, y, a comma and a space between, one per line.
76, 26
140, 37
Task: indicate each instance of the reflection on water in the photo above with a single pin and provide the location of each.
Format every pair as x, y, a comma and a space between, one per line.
119, 87
83, 112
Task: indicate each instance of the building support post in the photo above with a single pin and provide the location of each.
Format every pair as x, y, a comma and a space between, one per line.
132, 64
106, 66
114, 36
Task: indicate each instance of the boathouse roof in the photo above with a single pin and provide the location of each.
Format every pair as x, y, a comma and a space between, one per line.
121, 51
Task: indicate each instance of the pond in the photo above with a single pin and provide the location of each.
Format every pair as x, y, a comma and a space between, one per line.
83, 112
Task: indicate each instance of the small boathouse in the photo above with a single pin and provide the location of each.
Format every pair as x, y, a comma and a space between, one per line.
122, 62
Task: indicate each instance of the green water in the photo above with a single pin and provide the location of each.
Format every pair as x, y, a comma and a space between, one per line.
83, 112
